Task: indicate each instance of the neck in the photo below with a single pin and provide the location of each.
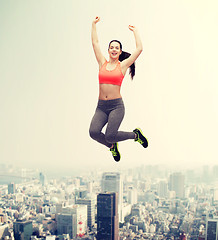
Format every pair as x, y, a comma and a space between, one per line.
113, 61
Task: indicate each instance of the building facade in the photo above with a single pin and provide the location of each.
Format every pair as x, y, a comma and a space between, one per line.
107, 216
72, 220
23, 230
112, 182
212, 229
177, 184
90, 203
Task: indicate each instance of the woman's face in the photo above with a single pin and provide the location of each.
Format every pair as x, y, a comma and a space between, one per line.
114, 50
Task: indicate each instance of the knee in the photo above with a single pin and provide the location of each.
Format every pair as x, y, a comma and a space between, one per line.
110, 138
93, 133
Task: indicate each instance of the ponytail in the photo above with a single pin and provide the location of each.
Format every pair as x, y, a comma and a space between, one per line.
123, 56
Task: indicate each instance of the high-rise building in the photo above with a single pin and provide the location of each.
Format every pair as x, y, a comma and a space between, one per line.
23, 230
90, 203
177, 184
132, 196
112, 182
107, 216
11, 188
42, 178
212, 229
72, 220
66, 224
162, 189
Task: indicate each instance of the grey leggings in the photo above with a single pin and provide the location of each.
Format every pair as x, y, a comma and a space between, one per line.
112, 113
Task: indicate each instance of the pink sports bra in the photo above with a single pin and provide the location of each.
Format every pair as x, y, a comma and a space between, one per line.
114, 76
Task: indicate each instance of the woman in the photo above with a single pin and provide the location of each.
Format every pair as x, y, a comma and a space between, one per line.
110, 109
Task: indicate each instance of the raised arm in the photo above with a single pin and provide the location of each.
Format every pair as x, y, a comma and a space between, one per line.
95, 43
129, 61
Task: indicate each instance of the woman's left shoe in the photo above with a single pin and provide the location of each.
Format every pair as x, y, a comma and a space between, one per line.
115, 152
140, 137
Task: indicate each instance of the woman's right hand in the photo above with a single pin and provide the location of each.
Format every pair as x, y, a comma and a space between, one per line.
97, 19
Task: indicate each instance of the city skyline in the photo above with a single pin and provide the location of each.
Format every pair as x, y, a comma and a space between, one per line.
63, 208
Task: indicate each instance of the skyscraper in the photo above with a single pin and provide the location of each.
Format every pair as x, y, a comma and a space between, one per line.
112, 182
212, 229
107, 216
176, 183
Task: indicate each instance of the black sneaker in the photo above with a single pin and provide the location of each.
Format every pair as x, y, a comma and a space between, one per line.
140, 137
115, 152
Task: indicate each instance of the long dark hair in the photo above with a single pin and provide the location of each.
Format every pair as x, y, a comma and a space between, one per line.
125, 55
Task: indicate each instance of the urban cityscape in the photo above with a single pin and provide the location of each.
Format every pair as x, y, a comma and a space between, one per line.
145, 202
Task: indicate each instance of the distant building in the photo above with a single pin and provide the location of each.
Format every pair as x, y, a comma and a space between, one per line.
90, 203
107, 216
90, 187
112, 182
72, 220
212, 229
162, 189
81, 193
11, 188
42, 178
136, 211
132, 196
23, 230
66, 224
177, 184
214, 195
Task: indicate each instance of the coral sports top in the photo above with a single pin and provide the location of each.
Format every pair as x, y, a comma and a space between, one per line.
114, 76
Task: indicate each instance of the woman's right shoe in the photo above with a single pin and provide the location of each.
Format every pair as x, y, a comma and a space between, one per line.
115, 152
140, 137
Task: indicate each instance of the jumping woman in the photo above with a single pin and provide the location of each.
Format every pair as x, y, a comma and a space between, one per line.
110, 108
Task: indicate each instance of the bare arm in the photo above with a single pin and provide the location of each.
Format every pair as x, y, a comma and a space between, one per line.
95, 43
129, 61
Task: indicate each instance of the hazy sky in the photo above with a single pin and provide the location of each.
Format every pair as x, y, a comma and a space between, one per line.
49, 81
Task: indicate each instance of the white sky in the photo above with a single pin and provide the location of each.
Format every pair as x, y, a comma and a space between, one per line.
49, 81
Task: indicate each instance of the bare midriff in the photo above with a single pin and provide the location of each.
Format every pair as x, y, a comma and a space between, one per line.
109, 91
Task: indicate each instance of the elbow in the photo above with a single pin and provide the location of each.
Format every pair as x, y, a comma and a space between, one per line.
140, 49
